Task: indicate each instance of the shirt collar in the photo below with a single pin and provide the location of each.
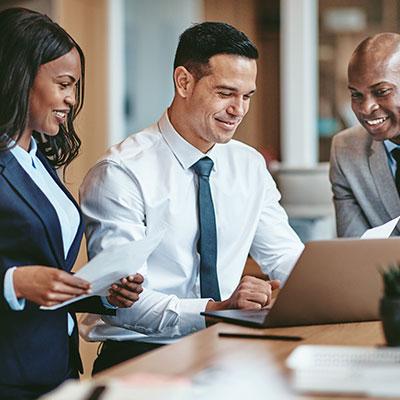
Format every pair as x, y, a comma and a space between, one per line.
26, 157
389, 145
184, 152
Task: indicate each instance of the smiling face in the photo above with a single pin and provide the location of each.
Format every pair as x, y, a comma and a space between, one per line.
374, 84
216, 103
52, 95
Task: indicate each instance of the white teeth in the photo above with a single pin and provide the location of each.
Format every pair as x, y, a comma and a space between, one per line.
376, 121
60, 114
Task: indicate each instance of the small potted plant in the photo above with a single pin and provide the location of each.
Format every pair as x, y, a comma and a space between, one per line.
390, 305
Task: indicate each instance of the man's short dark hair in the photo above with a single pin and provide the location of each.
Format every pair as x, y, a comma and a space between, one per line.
200, 42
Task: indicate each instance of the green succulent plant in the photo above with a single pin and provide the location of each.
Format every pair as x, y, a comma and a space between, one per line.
391, 281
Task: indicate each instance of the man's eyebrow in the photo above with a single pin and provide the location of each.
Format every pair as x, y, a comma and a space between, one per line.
232, 89
375, 85
379, 83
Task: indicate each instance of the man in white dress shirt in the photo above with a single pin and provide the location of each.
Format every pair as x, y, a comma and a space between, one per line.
215, 77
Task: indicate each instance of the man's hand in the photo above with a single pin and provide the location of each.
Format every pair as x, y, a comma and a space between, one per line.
47, 286
251, 293
125, 293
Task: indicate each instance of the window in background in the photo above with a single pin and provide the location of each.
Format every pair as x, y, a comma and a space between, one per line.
152, 29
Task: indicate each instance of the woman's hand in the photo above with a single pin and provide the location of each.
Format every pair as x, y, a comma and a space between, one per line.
125, 293
47, 286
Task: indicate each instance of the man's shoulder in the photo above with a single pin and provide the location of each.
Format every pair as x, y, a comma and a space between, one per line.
355, 137
135, 146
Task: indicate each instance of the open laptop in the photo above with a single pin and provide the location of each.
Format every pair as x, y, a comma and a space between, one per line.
333, 281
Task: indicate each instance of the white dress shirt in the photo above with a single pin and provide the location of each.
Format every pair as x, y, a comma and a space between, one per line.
155, 165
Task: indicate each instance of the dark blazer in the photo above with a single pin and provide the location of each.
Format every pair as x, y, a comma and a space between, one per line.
364, 190
35, 348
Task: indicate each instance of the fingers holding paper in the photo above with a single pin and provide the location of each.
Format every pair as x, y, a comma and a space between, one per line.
126, 292
47, 286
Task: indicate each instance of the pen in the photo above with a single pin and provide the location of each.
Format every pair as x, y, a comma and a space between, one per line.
96, 393
255, 336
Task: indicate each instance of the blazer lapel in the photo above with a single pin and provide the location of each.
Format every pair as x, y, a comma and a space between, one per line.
37, 201
383, 179
74, 249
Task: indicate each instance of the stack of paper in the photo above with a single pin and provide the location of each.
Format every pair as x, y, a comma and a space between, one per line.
343, 369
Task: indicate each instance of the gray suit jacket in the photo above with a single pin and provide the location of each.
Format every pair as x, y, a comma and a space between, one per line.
364, 191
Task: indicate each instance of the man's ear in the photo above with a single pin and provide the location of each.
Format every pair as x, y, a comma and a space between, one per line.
184, 81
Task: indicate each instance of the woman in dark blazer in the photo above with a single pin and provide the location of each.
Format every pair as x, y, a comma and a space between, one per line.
41, 92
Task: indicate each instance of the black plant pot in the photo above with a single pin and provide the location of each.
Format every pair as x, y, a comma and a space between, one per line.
390, 316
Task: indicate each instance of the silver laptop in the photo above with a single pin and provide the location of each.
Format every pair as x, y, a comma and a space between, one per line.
333, 281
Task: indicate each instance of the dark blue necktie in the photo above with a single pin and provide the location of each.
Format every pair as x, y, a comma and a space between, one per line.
207, 245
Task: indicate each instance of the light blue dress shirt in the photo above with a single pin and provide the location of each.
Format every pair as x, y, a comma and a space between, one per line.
389, 146
67, 213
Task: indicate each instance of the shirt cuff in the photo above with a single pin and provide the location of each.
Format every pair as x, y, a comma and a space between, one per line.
189, 314
107, 304
9, 292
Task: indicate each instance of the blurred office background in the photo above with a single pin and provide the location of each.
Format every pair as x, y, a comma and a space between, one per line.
302, 98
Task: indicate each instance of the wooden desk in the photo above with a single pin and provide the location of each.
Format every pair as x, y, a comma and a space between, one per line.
205, 349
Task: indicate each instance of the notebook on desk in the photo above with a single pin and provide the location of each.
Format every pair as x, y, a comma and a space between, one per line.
333, 281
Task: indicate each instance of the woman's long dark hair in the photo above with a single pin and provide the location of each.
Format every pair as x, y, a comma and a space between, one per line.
29, 39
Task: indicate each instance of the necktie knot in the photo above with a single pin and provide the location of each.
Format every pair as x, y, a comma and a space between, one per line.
203, 167
396, 154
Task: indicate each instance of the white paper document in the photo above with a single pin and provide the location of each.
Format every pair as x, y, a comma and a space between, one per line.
117, 262
381, 231
358, 370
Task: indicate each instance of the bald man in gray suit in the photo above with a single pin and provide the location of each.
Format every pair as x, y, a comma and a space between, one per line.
363, 158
